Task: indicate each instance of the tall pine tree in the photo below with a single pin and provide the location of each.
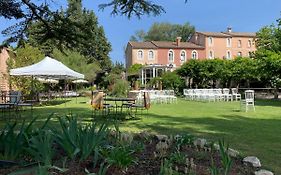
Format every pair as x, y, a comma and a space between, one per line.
87, 37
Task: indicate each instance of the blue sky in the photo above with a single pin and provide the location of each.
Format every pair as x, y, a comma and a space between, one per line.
205, 15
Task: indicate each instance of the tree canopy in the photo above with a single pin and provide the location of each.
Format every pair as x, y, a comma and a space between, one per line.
165, 32
87, 37
28, 11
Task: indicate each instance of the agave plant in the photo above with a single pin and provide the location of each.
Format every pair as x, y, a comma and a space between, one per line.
77, 140
119, 156
14, 141
40, 147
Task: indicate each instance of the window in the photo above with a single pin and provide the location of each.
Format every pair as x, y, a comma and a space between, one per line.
249, 43
239, 43
211, 54
183, 56
171, 56
239, 54
228, 55
194, 54
140, 54
228, 42
150, 55
210, 41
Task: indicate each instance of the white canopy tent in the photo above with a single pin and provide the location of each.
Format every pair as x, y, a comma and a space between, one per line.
47, 68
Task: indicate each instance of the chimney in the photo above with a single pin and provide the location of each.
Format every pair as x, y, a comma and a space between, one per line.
229, 29
178, 41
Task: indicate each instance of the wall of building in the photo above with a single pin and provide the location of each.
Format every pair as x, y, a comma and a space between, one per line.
219, 47
163, 55
4, 75
245, 48
144, 60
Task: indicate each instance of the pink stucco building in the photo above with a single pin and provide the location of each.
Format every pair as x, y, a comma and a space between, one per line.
4, 74
172, 54
202, 45
227, 45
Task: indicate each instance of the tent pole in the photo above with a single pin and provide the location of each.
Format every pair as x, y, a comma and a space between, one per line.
32, 88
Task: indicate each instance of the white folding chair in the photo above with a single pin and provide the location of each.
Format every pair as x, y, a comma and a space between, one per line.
249, 101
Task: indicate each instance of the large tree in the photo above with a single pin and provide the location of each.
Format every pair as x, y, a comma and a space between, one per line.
87, 37
165, 32
268, 55
28, 11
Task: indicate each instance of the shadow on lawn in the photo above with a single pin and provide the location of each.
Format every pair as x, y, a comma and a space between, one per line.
271, 102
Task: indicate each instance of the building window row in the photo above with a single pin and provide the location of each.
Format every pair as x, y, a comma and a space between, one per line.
140, 55
171, 56
249, 44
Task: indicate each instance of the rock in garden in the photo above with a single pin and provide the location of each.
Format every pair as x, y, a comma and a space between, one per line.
216, 146
161, 146
200, 142
126, 137
263, 172
232, 152
252, 160
162, 137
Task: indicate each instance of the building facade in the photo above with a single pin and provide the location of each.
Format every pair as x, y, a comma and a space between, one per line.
226, 45
202, 45
4, 74
170, 54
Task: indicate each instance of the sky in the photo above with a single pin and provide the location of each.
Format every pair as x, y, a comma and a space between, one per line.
205, 15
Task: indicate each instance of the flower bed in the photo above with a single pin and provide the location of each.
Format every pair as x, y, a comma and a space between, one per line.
96, 149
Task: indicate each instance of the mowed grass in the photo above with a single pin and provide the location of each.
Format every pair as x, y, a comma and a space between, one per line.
252, 133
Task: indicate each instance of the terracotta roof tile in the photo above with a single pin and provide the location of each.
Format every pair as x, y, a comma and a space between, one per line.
216, 34
142, 45
241, 34
173, 45
163, 44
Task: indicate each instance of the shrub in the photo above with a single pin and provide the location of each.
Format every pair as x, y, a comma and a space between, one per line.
120, 88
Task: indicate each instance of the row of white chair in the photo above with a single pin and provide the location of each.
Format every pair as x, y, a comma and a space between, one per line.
159, 96
212, 94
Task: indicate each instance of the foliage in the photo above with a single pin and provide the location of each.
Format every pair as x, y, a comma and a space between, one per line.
166, 168
26, 55
78, 62
207, 73
120, 88
56, 27
165, 32
178, 158
226, 159
268, 38
80, 141
118, 68
12, 144
133, 8
40, 147
268, 54
14, 141
170, 80
134, 69
87, 37
119, 156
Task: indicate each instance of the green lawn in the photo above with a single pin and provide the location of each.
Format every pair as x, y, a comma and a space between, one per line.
252, 133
